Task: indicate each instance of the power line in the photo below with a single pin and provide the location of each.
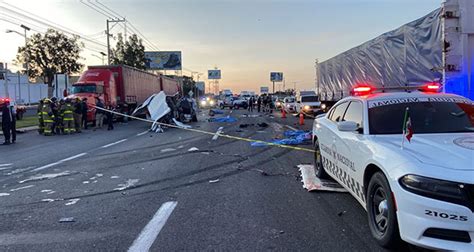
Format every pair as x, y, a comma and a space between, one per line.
18, 22
50, 24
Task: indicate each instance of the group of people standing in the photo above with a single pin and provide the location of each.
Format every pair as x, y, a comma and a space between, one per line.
68, 116
264, 102
65, 116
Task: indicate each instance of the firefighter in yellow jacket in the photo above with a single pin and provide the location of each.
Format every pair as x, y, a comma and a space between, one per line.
48, 117
39, 111
68, 118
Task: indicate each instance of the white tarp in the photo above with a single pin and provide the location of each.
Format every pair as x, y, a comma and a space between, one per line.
156, 106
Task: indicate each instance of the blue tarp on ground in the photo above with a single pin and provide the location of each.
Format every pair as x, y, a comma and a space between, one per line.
223, 119
217, 111
293, 138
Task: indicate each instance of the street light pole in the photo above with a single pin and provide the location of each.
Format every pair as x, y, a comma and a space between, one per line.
27, 59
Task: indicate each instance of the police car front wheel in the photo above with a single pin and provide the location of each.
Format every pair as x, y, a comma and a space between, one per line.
381, 212
318, 161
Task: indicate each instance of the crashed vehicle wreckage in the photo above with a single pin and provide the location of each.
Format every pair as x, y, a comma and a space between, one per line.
163, 109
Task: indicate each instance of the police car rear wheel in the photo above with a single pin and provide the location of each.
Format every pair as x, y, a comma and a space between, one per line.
318, 162
381, 212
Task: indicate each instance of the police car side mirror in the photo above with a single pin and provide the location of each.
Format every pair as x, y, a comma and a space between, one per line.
347, 126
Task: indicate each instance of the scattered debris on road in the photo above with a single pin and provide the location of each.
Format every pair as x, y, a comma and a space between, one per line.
129, 183
262, 125
313, 183
181, 125
72, 202
193, 149
67, 219
213, 181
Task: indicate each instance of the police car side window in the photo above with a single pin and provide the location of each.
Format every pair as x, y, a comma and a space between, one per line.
338, 112
354, 113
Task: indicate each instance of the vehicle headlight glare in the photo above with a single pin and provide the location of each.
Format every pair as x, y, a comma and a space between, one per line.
323, 106
211, 102
203, 102
306, 107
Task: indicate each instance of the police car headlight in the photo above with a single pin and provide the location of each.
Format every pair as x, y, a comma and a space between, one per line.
307, 107
434, 188
323, 106
203, 103
278, 103
211, 102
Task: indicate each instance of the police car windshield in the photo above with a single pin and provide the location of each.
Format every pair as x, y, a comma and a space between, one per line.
426, 117
83, 89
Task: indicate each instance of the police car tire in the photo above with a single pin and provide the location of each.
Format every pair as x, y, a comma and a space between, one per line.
319, 170
391, 237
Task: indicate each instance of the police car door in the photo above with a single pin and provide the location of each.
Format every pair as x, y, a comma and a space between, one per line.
329, 140
350, 146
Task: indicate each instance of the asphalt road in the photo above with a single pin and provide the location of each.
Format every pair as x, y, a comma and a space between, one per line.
112, 184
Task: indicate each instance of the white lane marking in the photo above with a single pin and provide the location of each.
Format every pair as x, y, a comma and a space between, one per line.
45, 176
114, 143
20, 188
291, 128
3, 165
153, 228
4, 194
143, 133
219, 131
59, 162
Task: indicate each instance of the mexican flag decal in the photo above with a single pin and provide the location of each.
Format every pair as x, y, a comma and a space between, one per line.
407, 126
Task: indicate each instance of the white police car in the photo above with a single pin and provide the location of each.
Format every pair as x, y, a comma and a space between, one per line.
421, 190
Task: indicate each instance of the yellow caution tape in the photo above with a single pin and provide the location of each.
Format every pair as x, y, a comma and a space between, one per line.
210, 133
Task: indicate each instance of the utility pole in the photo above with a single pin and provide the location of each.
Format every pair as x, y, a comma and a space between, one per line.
316, 67
108, 36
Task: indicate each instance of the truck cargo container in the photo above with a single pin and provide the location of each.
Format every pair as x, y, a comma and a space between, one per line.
121, 87
438, 47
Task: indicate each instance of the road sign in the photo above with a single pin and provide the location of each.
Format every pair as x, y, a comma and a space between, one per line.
276, 76
213, 74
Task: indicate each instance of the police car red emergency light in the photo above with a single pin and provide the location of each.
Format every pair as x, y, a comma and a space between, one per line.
408, 157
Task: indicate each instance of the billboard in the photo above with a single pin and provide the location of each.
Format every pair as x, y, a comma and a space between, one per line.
163, 60
276, 76
264, 90
213, 74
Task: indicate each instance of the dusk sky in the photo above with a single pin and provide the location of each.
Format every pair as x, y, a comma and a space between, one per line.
245, 39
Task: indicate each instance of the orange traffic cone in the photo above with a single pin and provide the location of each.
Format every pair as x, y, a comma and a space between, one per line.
301, 118
283, 113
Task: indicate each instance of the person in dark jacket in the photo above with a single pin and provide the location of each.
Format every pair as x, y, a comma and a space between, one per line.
259, 103
8, 124
85, 108
110, 118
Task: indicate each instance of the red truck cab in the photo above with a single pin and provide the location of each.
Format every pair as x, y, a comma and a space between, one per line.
93, 84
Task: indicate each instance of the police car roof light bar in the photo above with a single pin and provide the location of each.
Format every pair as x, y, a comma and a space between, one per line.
365, 89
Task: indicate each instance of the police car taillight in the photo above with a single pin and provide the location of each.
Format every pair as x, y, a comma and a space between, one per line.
4, 100
362, 89
432, 87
